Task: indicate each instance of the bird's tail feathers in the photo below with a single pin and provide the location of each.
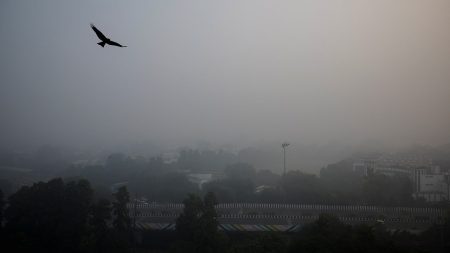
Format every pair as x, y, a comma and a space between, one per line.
102, 44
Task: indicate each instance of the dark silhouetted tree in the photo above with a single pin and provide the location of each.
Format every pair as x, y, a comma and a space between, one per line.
240, 170
327, 234
344, 184
380, 189
260, 243
122, 220
208, 222
188, 223
303, 188
100, 233
76, 206
197, 225
2, 206
50, 217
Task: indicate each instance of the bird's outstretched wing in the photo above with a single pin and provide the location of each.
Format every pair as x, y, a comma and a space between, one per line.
99, 34
113, 43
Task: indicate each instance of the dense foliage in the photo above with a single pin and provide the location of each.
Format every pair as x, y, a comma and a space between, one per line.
197, 226
162, 180
59, 216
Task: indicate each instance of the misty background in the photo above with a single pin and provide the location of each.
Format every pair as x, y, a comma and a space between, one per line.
225, 74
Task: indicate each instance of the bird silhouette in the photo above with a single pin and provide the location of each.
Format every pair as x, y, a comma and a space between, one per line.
104, 39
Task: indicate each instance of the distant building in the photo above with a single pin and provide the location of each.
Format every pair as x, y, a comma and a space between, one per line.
84, 163
392, 171
170, 157
364, 167
430, 183
404, 161
262, 188
200, 178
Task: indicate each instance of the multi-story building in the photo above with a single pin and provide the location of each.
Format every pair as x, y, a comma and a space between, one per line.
430, 183
364, 167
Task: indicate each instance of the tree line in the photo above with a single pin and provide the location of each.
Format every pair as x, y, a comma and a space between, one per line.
159, 181
65, 216
58, 216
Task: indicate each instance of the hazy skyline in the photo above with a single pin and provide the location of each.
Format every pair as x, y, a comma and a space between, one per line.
225, 71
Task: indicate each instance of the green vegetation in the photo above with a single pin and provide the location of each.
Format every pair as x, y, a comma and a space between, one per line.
234, 181
2, 207
48, 216
197, 226
122, 221
328, 234
58, 216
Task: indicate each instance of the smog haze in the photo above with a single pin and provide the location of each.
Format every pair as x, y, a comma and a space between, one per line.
225, 72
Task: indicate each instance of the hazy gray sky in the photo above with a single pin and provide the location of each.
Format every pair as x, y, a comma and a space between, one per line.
225, 71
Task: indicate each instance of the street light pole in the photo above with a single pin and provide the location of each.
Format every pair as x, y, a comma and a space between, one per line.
284, 146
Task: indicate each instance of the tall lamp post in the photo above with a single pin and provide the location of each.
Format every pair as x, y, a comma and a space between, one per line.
284, 146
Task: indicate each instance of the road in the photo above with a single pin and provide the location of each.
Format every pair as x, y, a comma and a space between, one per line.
290, 217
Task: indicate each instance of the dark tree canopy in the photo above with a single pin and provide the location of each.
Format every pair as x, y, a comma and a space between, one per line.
329, 234
197, 225
49, 216
2, 207
387, 191
122, 220
98, 223
58, 216
188, 223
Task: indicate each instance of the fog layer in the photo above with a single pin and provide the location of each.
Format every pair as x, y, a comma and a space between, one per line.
225, 71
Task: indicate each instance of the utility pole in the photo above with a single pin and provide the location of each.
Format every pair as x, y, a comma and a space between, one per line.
284, 146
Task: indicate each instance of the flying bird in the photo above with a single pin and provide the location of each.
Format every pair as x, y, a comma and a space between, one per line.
103, 38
